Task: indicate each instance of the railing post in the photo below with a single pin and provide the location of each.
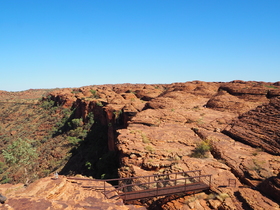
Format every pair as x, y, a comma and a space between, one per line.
124, 197
157, 188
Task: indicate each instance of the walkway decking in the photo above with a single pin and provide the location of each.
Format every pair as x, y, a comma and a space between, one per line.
136, 195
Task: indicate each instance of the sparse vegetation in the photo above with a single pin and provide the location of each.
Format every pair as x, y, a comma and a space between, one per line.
98, 103
211, 196
77, 122
254, 153
149, 148
88, 165
68, 141
222, 196
257, 165
200, 121
73, 140
47, 104
20, 156
202, 149
257, 151
117, 114
132, 92
20, 153
90, 121
54, 132
75, 91
94, 94
145, 139
271, 86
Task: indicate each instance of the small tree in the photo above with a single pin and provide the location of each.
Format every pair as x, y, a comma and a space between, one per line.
20, 155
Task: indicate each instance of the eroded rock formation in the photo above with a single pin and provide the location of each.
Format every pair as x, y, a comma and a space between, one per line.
157, 128
61, 193
259, 127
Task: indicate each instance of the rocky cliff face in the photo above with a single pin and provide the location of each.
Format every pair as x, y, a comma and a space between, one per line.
259, 127
158, 128
271, 187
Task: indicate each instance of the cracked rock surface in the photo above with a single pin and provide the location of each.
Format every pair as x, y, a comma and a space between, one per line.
158, 128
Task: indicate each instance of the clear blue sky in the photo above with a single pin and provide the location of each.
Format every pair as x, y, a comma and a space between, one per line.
71, 43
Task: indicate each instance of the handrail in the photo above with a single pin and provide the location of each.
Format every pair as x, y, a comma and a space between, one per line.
136, 177
167, 180
164, 179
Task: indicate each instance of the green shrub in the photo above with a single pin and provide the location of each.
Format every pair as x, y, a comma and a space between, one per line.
73, 140
271, 86
90, 117
47, 104
5, 179
201, 150
46, 172
117, 114
66, 112
88, 165
94, 94
78, 132
90, 121
75, 91
2, 167
77, 122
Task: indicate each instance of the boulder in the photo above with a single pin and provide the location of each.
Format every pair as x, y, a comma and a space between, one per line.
271, 187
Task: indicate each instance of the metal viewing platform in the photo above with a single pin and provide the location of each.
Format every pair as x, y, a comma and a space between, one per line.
137, 188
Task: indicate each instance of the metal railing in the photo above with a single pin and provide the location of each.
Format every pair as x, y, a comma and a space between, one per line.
155, 183
132, 188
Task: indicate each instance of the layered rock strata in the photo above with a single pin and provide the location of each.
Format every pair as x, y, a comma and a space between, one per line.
158, 128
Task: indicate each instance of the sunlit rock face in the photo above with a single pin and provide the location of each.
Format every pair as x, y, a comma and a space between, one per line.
161, 129
61, 193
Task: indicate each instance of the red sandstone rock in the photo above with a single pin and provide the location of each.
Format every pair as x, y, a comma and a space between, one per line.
60, 194
271, 187
161, 127
224, 101
254, 200
259, 127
